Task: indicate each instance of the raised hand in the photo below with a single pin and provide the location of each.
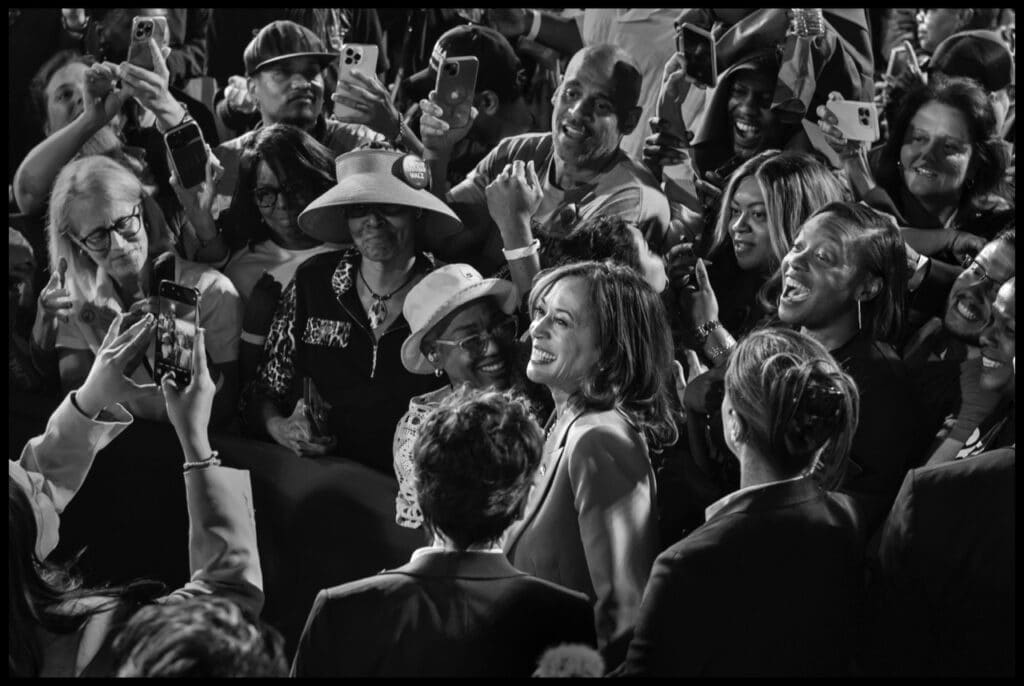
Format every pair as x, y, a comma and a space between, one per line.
107, 383
509, 21
702, 302
237, 96
189, 408
368, 96
438, 135
149, 87
513, 198
102, 100
663, 149
54, 304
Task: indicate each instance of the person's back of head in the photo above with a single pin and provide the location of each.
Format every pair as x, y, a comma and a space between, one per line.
205, 636
474, 459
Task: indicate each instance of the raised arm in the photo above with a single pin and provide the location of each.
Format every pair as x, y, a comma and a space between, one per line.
223, 557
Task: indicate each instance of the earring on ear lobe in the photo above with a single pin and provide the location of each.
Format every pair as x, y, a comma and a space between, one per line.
860, 320
438, 372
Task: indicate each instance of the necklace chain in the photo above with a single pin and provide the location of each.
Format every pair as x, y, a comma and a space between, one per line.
379, 310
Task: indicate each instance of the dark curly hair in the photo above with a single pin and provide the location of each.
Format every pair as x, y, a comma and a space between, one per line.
474, 460
798, 408
635, 369
988, 159
204, 636
603, 237
297, 159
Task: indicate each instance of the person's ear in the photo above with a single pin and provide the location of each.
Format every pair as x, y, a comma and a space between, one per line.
629, 121
869, 290
250, 85
487, 102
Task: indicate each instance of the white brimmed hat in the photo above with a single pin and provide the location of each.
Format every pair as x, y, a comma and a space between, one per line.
440, 293
382, 177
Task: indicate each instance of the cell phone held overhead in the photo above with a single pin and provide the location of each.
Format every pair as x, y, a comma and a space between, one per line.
187, 151
144, 28
355, 57
455, 88
177, 320
698, 47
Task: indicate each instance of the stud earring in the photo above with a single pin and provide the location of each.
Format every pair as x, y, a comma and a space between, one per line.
438, 372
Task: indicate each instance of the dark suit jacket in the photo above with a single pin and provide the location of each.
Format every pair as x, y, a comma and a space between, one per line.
943, 596
442, 614
767, 587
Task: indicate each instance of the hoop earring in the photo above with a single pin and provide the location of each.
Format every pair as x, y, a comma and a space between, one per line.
860, 320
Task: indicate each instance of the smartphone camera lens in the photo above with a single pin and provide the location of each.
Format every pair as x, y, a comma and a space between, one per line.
451, 69
348, 60
349, 52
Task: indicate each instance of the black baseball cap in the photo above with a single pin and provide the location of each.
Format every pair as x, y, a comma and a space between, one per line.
500, 69
282, 40
979, 55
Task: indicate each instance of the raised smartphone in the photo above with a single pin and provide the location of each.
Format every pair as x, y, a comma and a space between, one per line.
144, 28
361, 57
455, 88
698, 47
176, 332
187, 150
858, 120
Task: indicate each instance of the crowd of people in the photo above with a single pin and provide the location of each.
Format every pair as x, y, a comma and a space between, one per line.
754, 417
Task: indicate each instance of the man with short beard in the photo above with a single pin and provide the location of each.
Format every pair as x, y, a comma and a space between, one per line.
579, 167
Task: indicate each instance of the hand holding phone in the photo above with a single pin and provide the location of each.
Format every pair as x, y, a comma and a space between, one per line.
902, 59
187, 151
698, 48
177, 321
857, 120
455, 89
317, 409
355, 57
144, 28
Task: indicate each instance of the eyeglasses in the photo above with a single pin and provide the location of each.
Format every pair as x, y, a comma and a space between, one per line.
476, 345
357, 211
980, 274
266, 196
99, 240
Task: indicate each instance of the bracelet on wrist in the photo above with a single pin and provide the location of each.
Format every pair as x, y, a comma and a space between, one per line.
704, 330
519, 253
211, 461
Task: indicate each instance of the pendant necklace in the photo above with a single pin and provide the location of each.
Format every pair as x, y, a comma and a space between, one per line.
379, 309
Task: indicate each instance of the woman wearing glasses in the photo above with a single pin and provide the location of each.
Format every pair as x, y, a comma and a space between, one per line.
463, 329
339, 326
112, 238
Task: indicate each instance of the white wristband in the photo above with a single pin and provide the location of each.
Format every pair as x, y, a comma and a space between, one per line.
534, 27
253, 338
519, 253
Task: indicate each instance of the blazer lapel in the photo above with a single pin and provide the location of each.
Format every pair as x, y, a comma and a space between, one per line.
542, 482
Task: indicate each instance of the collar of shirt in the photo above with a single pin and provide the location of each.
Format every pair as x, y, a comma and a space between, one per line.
420, 552
716, 506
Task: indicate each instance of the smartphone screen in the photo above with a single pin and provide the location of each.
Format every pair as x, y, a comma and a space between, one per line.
176, 332
188, 153
455, 88
698, 47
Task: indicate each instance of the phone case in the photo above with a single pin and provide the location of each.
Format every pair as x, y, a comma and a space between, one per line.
177, 321
857, 120
187, 151
143, 28
698, 47
361, 57
455, 88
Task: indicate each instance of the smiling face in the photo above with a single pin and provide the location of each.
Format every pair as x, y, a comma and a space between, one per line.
651, 264
936, 152
289, 92
564, 334
585, 118
820, 282
384, 234
754, 125
748, 226
282, 218
488, 370
969, 307
126, 256
999, 342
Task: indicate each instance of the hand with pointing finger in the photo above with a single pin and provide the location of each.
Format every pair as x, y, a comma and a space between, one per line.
54, 304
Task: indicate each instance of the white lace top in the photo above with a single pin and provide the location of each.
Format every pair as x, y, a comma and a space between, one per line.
407, 509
